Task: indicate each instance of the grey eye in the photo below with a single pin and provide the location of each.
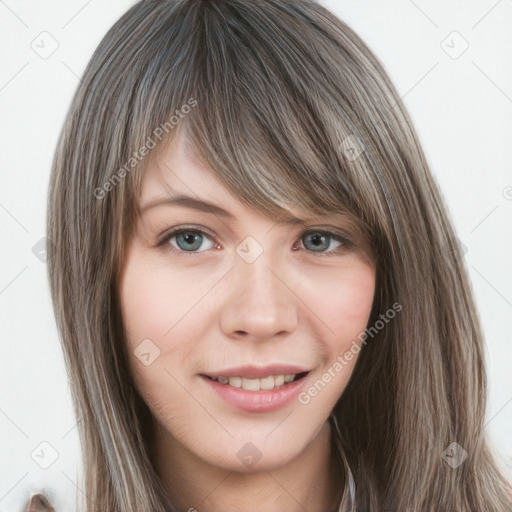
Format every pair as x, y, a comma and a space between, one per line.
319, 241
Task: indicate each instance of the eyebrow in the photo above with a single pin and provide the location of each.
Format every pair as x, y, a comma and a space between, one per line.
207, 207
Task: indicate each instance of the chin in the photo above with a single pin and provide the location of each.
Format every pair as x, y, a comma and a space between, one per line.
258, 452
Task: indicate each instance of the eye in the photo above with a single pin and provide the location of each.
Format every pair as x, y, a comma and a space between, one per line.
321, 240
188, 241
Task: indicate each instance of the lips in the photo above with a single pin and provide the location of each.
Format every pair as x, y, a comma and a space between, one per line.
250, 396
253, 378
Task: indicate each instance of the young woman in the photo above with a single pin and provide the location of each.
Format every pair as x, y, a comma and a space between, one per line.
261, 299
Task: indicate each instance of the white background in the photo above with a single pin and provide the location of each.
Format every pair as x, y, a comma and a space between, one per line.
461, 108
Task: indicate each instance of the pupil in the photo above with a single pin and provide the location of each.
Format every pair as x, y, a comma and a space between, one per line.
189, 238
317, 239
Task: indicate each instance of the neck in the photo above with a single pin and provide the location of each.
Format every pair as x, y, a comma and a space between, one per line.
313, 481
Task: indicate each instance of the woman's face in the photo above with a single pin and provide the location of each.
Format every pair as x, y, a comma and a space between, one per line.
238, 297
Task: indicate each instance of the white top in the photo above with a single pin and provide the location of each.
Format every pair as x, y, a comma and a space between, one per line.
348, 501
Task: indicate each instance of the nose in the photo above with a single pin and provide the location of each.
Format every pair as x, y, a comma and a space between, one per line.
259, 302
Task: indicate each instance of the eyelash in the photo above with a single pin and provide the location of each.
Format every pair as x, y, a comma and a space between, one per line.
346, 243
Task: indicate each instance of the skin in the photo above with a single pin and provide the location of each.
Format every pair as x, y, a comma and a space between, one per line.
205, 309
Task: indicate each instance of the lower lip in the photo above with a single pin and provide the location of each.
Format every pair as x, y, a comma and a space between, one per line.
258, 401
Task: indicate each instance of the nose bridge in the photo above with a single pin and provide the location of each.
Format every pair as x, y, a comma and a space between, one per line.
260, 280
258, 301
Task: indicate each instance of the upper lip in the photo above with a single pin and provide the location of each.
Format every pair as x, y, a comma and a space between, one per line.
253, 372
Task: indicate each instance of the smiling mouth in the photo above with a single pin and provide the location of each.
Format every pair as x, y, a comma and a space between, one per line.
264, 383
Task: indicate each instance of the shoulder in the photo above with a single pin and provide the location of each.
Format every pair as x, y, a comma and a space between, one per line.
39, 503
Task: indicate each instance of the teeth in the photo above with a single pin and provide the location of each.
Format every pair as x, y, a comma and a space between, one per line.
234, 381
278, 380
250, 384
269, 382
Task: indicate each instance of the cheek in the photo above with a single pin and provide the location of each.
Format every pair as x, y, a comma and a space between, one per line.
344, 302
147, 306
154, 301
158, 310
150, 310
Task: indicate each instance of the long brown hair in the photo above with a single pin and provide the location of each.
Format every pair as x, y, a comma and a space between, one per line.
289, 108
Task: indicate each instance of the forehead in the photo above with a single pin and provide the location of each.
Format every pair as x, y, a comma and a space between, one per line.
177, 169
176, 176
